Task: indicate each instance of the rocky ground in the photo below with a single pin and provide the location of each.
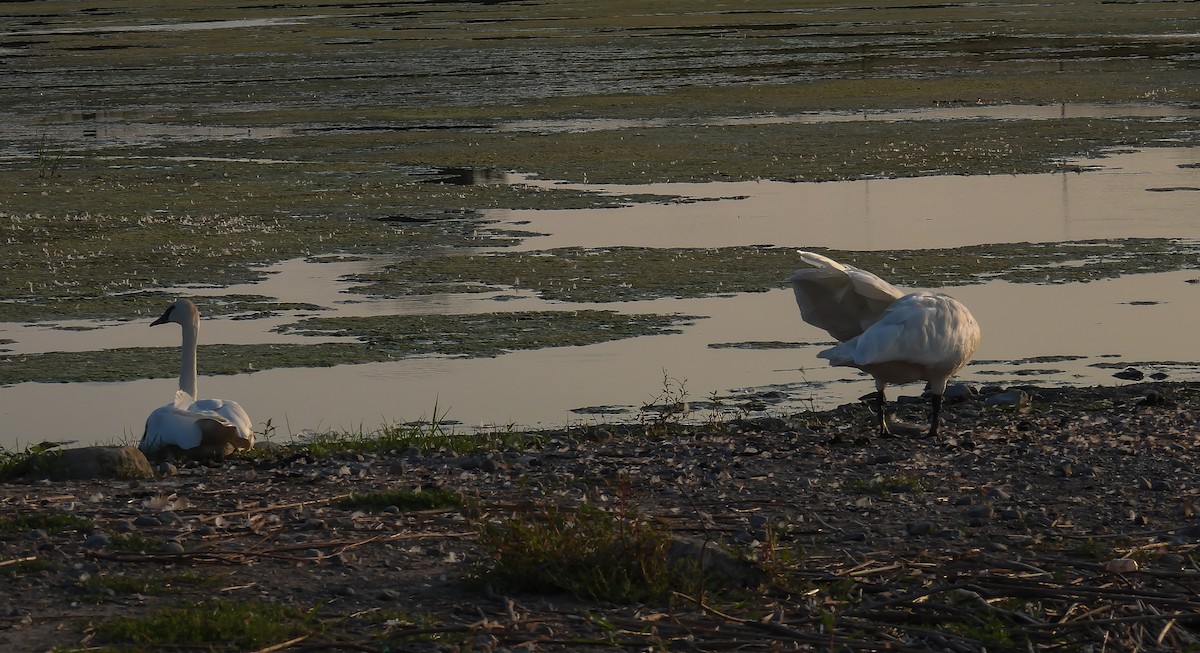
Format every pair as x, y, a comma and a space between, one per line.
1066, 522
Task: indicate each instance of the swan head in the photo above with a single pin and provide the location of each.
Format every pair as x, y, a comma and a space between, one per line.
182, 311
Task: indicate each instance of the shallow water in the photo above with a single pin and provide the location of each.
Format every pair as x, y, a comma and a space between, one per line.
1097, 322
1146, 193
1140, 319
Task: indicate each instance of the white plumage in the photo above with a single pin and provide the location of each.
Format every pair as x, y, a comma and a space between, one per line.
187, 422
895, 337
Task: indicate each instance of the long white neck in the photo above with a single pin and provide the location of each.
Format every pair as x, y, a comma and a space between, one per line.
187, 369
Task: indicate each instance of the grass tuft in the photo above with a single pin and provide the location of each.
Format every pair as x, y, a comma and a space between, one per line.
212, 626
101, 588
587, 552
48, 521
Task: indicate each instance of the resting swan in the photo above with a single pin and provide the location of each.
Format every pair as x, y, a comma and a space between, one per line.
893, 336
217, 425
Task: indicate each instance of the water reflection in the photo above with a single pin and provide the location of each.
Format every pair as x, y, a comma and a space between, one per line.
1100, 323
1123, 198
1062, 110
1144, 320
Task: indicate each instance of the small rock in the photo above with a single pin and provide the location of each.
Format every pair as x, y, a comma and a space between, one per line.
166, 468
171, 546
97, 540
1130, 374
959, 392
389, 595
1008, 398
1122, 565
979, 515
146, 520
919, 528
85, 463
998, 494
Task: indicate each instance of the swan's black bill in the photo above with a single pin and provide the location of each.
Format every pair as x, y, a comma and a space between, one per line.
165, 317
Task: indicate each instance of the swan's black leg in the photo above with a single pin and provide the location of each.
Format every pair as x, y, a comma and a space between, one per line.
934, 413
881, 411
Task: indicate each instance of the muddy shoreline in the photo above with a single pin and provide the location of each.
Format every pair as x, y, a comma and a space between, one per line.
999, 535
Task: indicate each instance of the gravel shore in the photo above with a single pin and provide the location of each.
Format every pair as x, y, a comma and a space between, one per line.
1048, 519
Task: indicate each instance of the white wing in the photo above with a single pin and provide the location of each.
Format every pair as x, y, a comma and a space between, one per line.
922, 328
176, 423
171, 424
227, 411
838, 298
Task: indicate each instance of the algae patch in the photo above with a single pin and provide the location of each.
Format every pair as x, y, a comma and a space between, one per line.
385, 338
634, 273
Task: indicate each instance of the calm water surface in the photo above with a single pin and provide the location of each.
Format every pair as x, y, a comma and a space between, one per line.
1142, 319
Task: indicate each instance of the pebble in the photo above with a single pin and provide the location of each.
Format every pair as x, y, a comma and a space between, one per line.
146, 520
171, 546
97, 540
1007, 398
959, 392
979, 515
1122, 565
1130, 374
919, 528
998, 494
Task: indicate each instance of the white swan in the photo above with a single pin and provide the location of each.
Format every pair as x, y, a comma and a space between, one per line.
217, 425
895, 337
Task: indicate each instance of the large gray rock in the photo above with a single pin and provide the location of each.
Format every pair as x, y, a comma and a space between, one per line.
86, 463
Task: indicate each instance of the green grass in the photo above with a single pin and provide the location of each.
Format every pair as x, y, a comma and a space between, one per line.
48, 521
434, 434
883, 485
587, 552
402, 499
14, 464
101, 588
217, 625
133, 542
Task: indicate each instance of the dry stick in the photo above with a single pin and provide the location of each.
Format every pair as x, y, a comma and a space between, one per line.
14, 561
283, 506
792, 633
282, 645
1045, 590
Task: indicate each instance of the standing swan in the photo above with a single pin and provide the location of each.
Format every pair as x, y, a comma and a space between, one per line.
217, 425
893, 336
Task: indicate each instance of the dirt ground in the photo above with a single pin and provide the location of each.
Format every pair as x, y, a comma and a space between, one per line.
1062, 523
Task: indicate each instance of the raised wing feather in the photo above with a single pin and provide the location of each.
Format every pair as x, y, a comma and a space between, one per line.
841, 299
